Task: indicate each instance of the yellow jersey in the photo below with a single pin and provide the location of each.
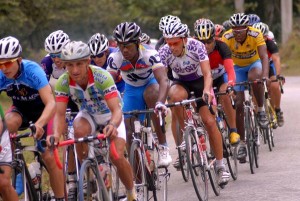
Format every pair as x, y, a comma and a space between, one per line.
246, 53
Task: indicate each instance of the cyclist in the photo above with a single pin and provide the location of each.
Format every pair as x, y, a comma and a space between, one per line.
32, 100
145, 39
164, 21
189, 62
249, 54
146, 82
219, 31
100, 51
222, 69
94, 91
275, 69
226, 24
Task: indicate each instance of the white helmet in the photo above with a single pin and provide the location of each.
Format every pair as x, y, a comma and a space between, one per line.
127, 32
10, 48
239, 19
204, 29
264, 28
164, 21
144, 38
174, 30
56, 41
98, 43
75, 50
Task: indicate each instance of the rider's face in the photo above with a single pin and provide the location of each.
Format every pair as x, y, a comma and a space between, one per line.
10, 67
176, 45
78, 70
129, 50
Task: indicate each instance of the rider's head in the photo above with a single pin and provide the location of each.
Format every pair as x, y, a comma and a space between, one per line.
98, 45
253, 18
10, 56
239, 23
205, 32
166, 20
264, 28
176, 35
127, 35
76, 57
145, 39
54, 44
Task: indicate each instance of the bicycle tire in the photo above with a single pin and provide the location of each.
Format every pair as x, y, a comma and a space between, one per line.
29, 192
91, 181
196, 165
182, 157
115, 184
213, 179
137, 163
248, 134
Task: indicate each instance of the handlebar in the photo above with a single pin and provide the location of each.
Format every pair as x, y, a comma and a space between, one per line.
89, 138
228, 91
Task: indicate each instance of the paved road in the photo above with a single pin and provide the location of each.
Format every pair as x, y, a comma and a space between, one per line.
277, 178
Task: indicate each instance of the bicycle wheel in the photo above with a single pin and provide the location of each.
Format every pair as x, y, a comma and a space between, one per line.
212, 174
21, 176
137, 163
196, 164
182, 156
248, 134
115, 183
91, 185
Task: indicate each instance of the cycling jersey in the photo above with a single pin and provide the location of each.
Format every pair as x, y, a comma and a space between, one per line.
246, 53
50, 68
1, 113
272, 48
186, 67
24, 89
217, 57
141, 73
110, 50
100, 88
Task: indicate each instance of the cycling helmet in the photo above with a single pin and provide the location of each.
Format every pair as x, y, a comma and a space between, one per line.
176, 30
127, 31
219, 30
227, 25
164, 21
75, 50
264, 28
239, 19
55, 41
253, 18
144, 38
98, 43
10, 48
204, 29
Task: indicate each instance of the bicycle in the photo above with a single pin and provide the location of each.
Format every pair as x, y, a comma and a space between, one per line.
229, 151
143, 158
199, 157
30, 190
250, 124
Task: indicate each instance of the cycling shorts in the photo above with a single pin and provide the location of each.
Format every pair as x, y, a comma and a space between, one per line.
99, 121
241, 73
272, 70
220, 80
196, 86
134, 98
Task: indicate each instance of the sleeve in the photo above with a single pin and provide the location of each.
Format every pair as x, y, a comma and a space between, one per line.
36, 75
224, 50
62, 89
260, 40
155, 60
111, 63
46, 65
202, 53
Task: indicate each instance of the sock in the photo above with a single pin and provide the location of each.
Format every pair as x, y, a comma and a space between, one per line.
261, 109
164, 144
233, 130
219, 163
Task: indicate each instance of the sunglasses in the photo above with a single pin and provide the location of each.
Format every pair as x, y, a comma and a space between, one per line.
7, 64
239, 31
55, 55
98, 55
208, 41
174, 42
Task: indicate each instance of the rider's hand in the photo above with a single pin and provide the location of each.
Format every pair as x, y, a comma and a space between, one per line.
159, 106
56, 140
39, 132
110, 130
268, 81
209, 97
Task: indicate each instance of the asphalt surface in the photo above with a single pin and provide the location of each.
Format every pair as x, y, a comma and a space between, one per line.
278, 175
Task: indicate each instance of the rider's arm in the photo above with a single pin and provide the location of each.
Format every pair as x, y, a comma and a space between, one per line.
160, 75
205, 68
263, 55
60, 119
114, 106
276, 60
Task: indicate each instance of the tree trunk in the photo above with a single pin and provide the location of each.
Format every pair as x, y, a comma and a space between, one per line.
239, 6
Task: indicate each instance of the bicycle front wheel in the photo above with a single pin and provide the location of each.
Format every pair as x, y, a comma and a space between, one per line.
196, 164
91, 184
248, 133
137, 163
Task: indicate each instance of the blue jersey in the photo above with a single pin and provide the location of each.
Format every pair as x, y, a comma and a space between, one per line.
24, 89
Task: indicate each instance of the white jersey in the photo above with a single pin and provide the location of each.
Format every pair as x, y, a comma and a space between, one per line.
142, 72
187, 67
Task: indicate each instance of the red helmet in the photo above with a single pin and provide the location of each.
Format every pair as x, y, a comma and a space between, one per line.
219, 30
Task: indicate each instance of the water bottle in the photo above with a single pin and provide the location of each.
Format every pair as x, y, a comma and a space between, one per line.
19, 184
35, 174
203, 142
149, 138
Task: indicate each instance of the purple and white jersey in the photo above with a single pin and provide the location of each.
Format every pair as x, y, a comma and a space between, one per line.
142, 72
187, 67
